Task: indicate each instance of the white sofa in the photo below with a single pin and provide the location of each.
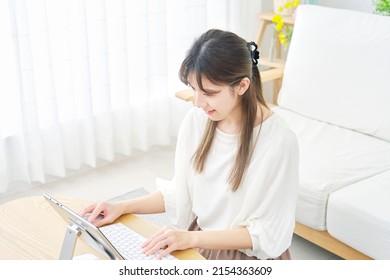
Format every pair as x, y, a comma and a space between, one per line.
335, 96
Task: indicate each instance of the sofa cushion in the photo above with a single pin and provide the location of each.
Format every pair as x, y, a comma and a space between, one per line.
359, 215
338, 69
331, 158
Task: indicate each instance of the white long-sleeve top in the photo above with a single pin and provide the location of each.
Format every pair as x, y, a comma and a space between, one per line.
264, 202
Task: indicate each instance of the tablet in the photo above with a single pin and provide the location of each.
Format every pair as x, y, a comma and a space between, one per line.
84, 229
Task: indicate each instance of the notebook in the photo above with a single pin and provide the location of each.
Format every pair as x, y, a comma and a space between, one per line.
108, 240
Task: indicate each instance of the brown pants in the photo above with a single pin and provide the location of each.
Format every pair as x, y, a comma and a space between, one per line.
229, 254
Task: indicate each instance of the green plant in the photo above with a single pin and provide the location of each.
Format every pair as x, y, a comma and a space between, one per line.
382, 7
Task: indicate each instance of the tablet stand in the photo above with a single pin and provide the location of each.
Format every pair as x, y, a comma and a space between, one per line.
70, 239
74, 231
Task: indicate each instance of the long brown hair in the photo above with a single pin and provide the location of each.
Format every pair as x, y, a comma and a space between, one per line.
224, 58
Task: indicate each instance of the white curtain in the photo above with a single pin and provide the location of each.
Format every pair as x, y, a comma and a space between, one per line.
83, 82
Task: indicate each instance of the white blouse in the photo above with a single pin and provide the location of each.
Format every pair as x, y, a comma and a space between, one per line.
265, 201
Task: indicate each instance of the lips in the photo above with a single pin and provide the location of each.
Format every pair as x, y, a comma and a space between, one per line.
209, 113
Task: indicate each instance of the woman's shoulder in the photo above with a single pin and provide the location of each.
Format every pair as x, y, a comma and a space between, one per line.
195, 116
281, 132
194, 120
282, 126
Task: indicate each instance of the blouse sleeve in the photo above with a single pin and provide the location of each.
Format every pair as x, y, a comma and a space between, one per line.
270, 212
177, 199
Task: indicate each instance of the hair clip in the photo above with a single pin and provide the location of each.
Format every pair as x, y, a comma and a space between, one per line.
255, 54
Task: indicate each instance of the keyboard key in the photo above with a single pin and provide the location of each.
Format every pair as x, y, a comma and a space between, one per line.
128, 242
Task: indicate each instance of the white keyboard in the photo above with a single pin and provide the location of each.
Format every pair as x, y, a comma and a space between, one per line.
128, 242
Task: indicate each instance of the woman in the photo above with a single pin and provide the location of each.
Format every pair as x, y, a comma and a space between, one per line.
236, 164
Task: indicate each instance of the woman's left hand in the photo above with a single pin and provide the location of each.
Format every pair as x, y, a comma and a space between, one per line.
168, 239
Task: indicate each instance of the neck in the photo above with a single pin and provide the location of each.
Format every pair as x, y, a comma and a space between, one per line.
231, 124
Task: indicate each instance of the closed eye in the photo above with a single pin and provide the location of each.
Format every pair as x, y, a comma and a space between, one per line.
209, 92
206, 92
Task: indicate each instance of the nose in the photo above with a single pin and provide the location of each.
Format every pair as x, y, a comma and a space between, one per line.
200, 101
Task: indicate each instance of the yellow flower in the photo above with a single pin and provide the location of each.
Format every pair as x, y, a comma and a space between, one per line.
279, 26
283, 39
284, 31
279, 22
277, 18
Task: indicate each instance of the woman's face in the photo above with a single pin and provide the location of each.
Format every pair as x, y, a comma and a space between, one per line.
219, 102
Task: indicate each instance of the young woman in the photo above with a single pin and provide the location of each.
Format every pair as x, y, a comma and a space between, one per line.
234, 191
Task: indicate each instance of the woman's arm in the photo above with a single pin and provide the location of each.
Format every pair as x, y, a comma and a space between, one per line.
223, 240
148, 204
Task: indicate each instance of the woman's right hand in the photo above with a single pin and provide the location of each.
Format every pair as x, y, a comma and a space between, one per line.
103, 212
148, 204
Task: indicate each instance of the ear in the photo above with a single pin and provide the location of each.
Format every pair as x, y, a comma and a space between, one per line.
243, 86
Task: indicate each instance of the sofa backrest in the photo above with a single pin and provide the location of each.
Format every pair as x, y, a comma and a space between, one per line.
338, 69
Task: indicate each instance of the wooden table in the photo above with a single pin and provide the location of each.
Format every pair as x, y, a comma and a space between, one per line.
31, 229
